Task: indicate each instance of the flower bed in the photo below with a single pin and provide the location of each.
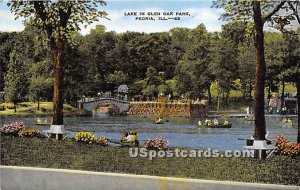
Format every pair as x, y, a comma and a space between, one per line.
29, 132
12, 129
89, 138
286, 148
157, 143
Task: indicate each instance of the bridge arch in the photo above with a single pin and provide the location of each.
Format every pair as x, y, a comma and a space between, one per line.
92, 104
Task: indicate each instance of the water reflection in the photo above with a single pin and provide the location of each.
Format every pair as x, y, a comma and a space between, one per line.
181, 132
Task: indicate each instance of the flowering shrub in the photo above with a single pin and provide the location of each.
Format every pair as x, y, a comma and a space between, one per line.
157, 143
89, 137
101, 140
284, 147
86, 137
29, 132
12, 129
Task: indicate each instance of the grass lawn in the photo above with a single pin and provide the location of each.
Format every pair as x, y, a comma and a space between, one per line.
289, 88
28, 108
68, 154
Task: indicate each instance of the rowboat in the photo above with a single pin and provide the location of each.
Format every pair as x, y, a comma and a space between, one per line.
249, 119
217, 126
158, 121
42, 123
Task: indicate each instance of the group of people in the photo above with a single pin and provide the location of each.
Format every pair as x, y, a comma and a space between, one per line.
39, 121
287, 121
209, 122
129, 136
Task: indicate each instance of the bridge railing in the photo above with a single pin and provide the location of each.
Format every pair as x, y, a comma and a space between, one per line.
102, 98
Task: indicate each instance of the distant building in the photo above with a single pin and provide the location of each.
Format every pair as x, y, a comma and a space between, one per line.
289, 106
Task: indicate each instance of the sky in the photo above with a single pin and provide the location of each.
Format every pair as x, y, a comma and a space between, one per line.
199, 12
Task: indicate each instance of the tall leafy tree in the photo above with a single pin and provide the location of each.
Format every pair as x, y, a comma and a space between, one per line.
194, 65
252, 11
16, 79
225, 57
6, 46
40, 82
290, 70
58, 19
246, 59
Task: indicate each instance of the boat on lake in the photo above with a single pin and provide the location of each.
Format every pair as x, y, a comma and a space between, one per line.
286, 123
248, 118
40, 122
215, 124
158, 121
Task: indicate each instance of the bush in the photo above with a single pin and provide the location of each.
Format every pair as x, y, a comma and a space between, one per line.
86, 137
29, 132
101, 140
12, 129
284, 147
157, 143
89, 137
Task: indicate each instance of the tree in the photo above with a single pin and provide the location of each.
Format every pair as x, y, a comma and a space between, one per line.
246, 59
116, 78
40, 82
248, 10
290, 70
6, 46
274, 55
150, 85
16, 79
58, 19
224, 52
193, 67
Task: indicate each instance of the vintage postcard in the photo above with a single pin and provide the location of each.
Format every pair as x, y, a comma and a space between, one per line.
149, 94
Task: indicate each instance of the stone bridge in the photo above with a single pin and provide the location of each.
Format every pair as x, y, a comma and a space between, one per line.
90, 104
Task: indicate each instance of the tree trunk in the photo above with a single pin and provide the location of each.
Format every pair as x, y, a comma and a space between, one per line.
15, 107
298, 102
250, 89
282, 96
269, 89
38, 107
57, 51
209, 96
259, 111
218, 99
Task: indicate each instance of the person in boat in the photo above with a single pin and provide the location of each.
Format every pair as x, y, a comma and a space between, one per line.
284, 120
289, 122
124, 136
209, 123
225, 122
216, 122
131, 137
158, 120
38, 120
206, 121
199, 123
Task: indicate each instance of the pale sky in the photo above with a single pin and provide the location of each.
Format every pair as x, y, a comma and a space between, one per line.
200, 12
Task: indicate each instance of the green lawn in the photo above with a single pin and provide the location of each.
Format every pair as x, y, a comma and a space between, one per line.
27, 108
289, 87
68, 154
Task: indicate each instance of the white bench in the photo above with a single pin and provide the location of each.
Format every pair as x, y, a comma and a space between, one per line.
261, 145
57, 131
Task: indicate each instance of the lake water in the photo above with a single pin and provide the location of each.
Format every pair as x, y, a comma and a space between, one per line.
180, 132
